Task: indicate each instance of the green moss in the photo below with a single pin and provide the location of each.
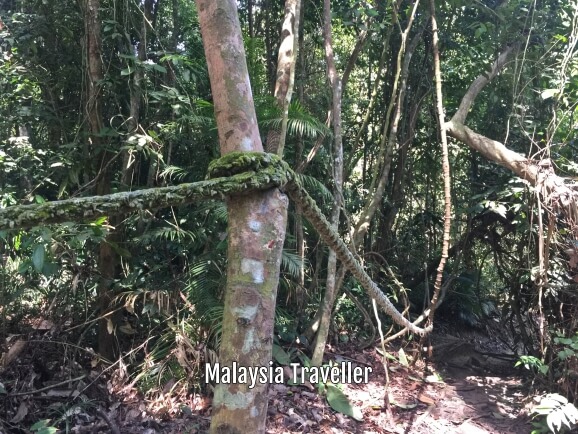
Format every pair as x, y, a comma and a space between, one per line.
265, 165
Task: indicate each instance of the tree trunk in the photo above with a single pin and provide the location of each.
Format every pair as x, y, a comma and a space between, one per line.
256, 228
330, 285
372, 203
299, 232
107, 258
130, 158
285, 74
445, 162
556, 195
250, 18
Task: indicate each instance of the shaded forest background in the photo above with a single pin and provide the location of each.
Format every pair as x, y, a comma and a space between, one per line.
149, 286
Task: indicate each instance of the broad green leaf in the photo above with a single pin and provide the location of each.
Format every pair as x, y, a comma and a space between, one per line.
159, 68
120, 251
38, 257
402, 357
186, 410
339, 402
280, 355
42, 426
548, 93
49, 268
99, 221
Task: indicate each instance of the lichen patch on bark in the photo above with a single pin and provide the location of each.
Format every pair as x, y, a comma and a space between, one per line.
247, 312
255, 225
233, 401
247, 144
254, 268
250, 342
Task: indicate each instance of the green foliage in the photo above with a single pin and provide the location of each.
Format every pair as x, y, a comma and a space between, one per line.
291, 263
569, 346
555, 414
300, 121
43, 427
532, 363
281, 356
339, 402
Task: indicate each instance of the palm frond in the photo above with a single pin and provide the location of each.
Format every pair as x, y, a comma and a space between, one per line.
315, 187
214, 319
171, 233
174, 172
215, 209
291, 263
301, 121
205, 283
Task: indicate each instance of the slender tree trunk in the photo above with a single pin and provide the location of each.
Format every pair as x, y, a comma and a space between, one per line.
94, 70
269, 52
315, 324
402, 172
250, 18
299, 232
171, 76
285, 74
130, 158
256, 228
107, 258
445, 160
373, 202
389, 137
351, 159
329, 296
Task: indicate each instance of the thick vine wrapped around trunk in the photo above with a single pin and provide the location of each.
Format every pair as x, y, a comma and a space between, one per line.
236, 162
236, 173
86, 209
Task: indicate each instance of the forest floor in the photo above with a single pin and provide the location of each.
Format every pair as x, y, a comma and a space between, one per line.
455, 394
428, 400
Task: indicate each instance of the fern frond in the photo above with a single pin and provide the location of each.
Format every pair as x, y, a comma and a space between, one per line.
300, 121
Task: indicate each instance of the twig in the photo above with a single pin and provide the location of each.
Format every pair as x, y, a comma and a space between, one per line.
44, 389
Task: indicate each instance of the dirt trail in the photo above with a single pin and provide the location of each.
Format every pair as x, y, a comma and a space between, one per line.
446, 399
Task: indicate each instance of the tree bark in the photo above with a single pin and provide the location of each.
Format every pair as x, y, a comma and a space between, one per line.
107, 258
555, 193
330, 285
129, 157
256, 228
445, 161
285, 74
